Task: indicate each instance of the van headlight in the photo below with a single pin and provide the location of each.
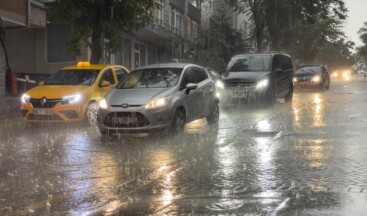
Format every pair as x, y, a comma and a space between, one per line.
316, 79
157, 102
71, 99
103, 104
25, 98
262, 84
219, 84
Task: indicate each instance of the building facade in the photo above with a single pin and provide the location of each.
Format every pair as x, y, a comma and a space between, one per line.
37, 49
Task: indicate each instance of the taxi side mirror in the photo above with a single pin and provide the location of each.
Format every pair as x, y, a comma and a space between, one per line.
41, 83
190, 87
104, 84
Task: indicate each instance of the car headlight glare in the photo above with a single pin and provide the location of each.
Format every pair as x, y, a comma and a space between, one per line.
335, 74
71, 99
103, 104
345, 75
262, 84
316, 79
295, 79
157, 102
25, 98
219, 84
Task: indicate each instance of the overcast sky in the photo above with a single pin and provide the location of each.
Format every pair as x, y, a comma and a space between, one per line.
357, 16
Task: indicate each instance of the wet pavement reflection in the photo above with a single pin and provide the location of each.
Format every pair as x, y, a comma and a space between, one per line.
302, 158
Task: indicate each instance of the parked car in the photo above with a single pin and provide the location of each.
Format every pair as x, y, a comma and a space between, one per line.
259, 77
159, 97
71, 94
312, 76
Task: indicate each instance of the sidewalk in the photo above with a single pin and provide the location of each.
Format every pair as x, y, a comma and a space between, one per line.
9, 107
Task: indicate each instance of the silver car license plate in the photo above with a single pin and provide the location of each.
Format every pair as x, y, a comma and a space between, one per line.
42, 111
125, 120
238, 93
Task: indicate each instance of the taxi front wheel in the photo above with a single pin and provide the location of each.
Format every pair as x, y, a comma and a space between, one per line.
91, 114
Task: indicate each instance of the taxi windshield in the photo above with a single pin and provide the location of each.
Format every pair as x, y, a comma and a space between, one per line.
73, 77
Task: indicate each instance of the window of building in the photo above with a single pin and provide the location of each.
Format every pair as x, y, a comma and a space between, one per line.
160, 12
127, 53
137, 55
123, 56
196, 3
152, 55
57, 37
143, 55
176, 20
194, 31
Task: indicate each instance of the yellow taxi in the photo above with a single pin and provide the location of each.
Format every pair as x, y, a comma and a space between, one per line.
71, 94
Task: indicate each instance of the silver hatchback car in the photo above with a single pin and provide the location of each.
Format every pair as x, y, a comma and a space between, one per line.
159, 97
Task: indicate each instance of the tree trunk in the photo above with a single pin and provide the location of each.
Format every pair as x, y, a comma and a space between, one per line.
96, 43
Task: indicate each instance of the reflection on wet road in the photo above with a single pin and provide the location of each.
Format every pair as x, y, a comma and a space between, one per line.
303, 158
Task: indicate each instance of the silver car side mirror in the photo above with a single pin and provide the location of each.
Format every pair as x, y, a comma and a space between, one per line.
190, 87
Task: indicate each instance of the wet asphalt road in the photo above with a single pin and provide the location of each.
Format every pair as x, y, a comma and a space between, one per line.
304, 158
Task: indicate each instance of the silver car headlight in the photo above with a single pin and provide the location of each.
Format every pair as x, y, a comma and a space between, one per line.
157, 102
72, 99
103, 104
262, 84
219, 84
25, 98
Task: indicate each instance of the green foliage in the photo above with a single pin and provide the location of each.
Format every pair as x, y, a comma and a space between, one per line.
217, 44
299, 27
98, 19
362, 51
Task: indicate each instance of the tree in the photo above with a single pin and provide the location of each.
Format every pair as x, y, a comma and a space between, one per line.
362, 50
95, 20
276, 20
217, 44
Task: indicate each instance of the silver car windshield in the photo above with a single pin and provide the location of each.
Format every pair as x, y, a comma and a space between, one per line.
249, 63
151, 78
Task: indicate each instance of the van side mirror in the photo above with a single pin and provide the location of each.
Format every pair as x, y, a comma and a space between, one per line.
104, 84
190, 87
41, 83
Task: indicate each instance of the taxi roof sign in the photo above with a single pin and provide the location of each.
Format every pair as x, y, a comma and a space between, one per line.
83, 64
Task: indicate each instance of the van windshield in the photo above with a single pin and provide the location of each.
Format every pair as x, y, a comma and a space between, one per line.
249, 63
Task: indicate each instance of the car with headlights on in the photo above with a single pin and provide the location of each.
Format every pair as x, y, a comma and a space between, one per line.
71, 94
159, 97
312, 76
342, 74
258, 78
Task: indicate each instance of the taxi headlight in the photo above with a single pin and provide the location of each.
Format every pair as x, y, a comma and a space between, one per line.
71, 99
103, 104
316, 79
25, 98
262, 84
157, 102
219, 84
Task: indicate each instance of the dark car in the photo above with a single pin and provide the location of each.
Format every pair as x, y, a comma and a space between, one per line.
259, 77
312, 76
